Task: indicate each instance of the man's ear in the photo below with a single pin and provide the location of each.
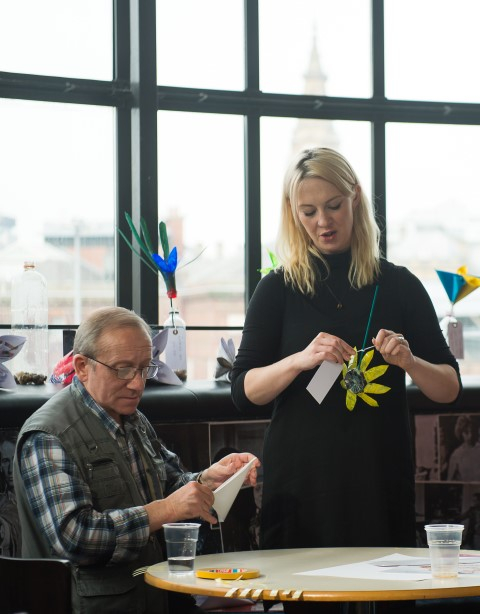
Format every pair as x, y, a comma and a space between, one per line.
80, 364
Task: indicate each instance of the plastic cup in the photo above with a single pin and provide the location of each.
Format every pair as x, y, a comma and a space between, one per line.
181, 539
444, 542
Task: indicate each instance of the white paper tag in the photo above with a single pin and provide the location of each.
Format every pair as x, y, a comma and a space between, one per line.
452, 330
455, 338
323, 380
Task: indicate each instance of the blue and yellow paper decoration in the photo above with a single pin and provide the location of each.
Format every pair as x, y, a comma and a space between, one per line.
458, 285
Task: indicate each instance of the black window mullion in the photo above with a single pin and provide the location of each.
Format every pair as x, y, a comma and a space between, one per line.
379, 183
253, 238
123, 158
143, 67
378, 49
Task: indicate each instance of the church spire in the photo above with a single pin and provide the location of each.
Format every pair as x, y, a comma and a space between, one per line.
315, 78
314, 132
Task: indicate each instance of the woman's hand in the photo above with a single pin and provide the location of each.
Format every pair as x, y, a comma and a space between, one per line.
263, 384
439, 382
394, 348
324, 347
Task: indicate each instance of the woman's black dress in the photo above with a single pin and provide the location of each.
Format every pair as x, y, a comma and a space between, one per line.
335, 476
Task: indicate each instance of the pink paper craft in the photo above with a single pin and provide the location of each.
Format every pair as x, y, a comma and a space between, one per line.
63, 371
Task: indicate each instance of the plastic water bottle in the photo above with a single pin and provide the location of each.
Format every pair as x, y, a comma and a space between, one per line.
29, 312
176, 348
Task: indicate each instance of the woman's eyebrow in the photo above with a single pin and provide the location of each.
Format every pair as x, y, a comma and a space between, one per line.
327, 202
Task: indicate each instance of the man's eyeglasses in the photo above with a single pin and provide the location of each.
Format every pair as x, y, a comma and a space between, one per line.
130, 372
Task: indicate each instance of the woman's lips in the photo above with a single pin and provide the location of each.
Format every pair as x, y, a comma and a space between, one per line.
328, 235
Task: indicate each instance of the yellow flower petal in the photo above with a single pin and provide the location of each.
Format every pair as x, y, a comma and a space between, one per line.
368, 399
352, 363
376, 388
351, 400
366, 360
375, 372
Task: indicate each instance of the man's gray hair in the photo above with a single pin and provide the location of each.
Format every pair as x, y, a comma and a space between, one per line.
103, 320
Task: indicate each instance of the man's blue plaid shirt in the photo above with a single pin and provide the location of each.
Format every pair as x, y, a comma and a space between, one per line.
72, 526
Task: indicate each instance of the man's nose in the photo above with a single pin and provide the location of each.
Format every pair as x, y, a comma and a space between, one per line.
137, 383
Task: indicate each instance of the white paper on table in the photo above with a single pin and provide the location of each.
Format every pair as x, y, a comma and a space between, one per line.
391, 567
324, 379
226, 493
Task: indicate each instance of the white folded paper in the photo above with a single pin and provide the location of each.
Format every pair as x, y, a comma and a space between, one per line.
226, 493
225, 360
165, 374
10, 345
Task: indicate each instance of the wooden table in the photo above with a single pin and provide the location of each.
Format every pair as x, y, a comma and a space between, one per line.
278, 582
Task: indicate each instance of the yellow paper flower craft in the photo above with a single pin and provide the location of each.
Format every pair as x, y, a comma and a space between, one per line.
357, 380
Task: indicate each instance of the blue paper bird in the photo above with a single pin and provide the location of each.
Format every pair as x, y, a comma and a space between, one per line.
166, 265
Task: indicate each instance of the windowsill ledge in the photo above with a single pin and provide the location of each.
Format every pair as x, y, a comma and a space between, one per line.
205, 401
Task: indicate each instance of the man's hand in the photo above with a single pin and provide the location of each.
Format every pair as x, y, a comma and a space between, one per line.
220, 471
193, 500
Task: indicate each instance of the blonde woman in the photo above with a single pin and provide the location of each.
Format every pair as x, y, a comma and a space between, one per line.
338, 473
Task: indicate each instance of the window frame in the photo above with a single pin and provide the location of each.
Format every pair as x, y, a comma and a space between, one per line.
135, 95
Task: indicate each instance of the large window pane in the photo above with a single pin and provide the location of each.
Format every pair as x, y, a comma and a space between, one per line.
201, 199
432, 49
433, 218
282, 138
200, 44
312, 47
67, 38
57, 204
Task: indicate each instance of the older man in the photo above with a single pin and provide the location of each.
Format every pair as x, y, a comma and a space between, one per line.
94, 484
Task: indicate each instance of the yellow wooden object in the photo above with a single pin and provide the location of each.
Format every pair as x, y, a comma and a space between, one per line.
227, 573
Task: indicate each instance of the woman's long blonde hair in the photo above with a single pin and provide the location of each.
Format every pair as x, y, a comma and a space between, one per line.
295, 248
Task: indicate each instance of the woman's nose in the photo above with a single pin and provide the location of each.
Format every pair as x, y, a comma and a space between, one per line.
321, 217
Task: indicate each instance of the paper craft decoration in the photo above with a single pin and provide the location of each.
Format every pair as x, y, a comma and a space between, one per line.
63, 371
225, 359
10, 345
165, 375
226, 493
167, 265
457, 286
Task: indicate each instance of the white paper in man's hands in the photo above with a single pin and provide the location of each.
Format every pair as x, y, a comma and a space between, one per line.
226, 493
324, 378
